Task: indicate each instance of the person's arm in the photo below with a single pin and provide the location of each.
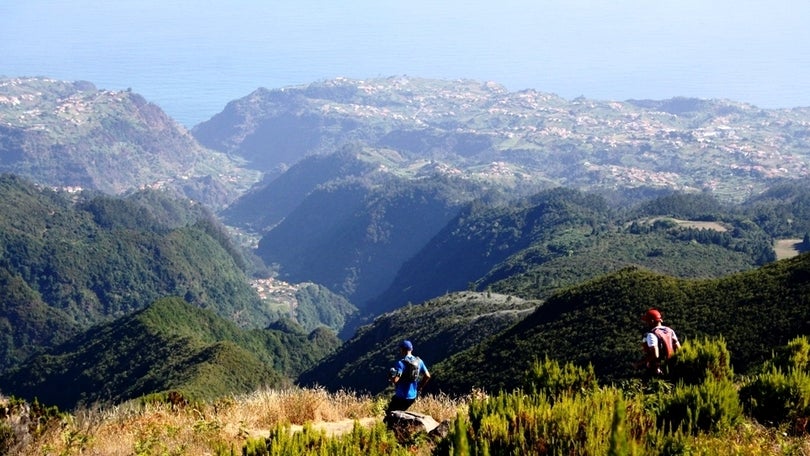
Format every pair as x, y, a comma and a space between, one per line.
652, 346
424, 379
395, 373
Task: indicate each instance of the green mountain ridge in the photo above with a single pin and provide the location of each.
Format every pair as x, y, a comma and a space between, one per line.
482, 237
168, 346
598, 323
351, 236
488, 341
560, 237
94, 256
69, 261
438, 328
266, 205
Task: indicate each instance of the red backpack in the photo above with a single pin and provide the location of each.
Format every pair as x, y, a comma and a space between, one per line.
666, 347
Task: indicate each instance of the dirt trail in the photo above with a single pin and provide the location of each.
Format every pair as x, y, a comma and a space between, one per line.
338, 427
330, 427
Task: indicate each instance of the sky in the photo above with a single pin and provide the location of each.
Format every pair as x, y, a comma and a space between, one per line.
193, 56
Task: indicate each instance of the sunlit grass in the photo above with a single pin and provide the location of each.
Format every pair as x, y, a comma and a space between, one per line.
159, 428
228, 425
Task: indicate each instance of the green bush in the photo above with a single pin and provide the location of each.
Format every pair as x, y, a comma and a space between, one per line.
548, 378
712, 406
659, 442
775, 398
7, 438
794, 355
517, 423
619, 435
696, 361
361, 441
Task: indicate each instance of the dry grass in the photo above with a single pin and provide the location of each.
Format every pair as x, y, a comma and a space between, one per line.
161, 429
440, 406
752, 439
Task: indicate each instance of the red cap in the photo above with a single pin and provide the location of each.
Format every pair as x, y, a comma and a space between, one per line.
652, 316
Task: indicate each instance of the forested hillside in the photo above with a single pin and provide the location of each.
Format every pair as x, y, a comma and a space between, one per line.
68, 261
599, 322
438, 328
561, 237
490, 341
169, 346
352, 235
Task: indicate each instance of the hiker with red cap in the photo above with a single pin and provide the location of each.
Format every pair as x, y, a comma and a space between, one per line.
409, 376
660, 344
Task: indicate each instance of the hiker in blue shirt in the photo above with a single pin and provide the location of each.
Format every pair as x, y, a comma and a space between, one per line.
409, 376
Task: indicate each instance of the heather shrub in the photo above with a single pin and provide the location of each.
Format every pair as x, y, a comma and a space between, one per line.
794, 355
698, 360
374, 441
776, 398
712, 406
619, 441
550, 379
517, 423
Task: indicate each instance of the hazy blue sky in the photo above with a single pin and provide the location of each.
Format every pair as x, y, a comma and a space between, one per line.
193, 56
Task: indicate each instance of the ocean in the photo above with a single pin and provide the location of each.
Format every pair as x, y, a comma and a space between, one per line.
192, 57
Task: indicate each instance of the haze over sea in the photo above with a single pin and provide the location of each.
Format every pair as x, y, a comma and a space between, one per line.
192, 57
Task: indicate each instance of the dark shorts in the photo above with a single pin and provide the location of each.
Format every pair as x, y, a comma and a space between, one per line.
398, 403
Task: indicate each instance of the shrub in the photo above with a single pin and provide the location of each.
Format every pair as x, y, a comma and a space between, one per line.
517, 423
548, 378
794, 355
696, 361
777, 398
619, 436
7, 438
712, 406
375, 441
664, 443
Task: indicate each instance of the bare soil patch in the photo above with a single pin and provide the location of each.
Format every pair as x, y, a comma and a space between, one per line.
695, 224
786, 248
701, 225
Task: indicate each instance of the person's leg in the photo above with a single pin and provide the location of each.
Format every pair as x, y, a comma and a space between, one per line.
407, 403
398, 403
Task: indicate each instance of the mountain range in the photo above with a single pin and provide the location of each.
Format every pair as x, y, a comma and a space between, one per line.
478, 144
489, 340
360, 200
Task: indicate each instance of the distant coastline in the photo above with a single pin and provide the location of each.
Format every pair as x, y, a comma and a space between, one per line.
192, 61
